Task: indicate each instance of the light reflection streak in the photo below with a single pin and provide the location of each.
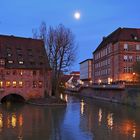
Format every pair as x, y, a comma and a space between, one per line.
110, 120
1, 122
100, 116
14, 120
82, 107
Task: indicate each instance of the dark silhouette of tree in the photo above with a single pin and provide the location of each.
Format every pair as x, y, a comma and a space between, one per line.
61, 49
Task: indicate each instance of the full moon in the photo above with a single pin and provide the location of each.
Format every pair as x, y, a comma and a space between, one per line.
77, 15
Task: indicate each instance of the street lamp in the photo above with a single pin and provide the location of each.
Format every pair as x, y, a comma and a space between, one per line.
134, 77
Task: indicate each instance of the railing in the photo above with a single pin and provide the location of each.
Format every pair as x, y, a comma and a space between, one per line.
119, 86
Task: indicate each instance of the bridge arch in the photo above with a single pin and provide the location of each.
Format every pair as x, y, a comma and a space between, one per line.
13, 97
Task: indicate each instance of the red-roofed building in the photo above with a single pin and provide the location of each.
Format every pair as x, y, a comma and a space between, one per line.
24, 67
114, 58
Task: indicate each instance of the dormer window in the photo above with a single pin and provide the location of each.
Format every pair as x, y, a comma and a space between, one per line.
21, 62
135, 38
2, 62
10, 62
9, 54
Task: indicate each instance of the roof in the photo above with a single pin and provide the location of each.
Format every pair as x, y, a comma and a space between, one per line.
121, 34
30, 52
65, 78
86, 60
75, 73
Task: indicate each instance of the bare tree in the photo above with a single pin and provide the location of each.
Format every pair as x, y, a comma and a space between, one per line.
61, 49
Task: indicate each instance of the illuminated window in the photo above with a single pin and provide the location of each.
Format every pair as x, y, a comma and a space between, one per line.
21, 72
10, 62
9, 54
40, 84
1, 84
14, 83
8, 83
20, 84
21, 62
137, 58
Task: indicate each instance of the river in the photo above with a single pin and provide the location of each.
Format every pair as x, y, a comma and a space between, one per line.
81, 119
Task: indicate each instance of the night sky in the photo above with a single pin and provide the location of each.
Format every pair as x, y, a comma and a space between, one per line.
98, 18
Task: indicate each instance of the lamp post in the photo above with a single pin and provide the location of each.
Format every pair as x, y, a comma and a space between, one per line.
134, 77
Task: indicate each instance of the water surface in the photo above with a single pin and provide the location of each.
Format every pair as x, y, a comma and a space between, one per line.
82, 119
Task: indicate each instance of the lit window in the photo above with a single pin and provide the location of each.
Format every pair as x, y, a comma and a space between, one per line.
125, 46
20, 84
21, 73
10, 62
9, 54
14, 83
21, 62
8, 83
1, 84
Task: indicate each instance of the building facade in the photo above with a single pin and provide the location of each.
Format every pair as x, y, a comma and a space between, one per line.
24, 67
114, 58
86, 70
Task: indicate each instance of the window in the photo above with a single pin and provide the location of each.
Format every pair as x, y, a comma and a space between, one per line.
1, 84
34, 72
137, 58
9, 54
14, 83
125, 47
21, 62
2, 62
128, 69
8, 83
14, 72
20, 84
137, 47
40, 84
10, 62
125, 58
34, 84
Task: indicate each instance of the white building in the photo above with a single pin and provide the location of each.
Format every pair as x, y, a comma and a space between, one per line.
86, 70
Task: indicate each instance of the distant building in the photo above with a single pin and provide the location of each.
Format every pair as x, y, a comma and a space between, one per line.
24, 67
114, 58
75, 73
86, 70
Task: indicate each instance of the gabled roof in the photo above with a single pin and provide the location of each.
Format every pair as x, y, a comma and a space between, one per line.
121, 34
30, 51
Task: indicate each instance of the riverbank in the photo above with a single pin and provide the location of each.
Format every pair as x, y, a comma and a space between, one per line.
127, 96
49, 101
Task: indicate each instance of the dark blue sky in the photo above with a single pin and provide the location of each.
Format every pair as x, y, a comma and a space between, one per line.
98, 19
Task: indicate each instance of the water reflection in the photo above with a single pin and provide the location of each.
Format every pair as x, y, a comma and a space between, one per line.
82, 104
80, 120
100, 116
110, 120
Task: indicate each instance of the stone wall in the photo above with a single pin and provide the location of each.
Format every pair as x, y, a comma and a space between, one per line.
128, 96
